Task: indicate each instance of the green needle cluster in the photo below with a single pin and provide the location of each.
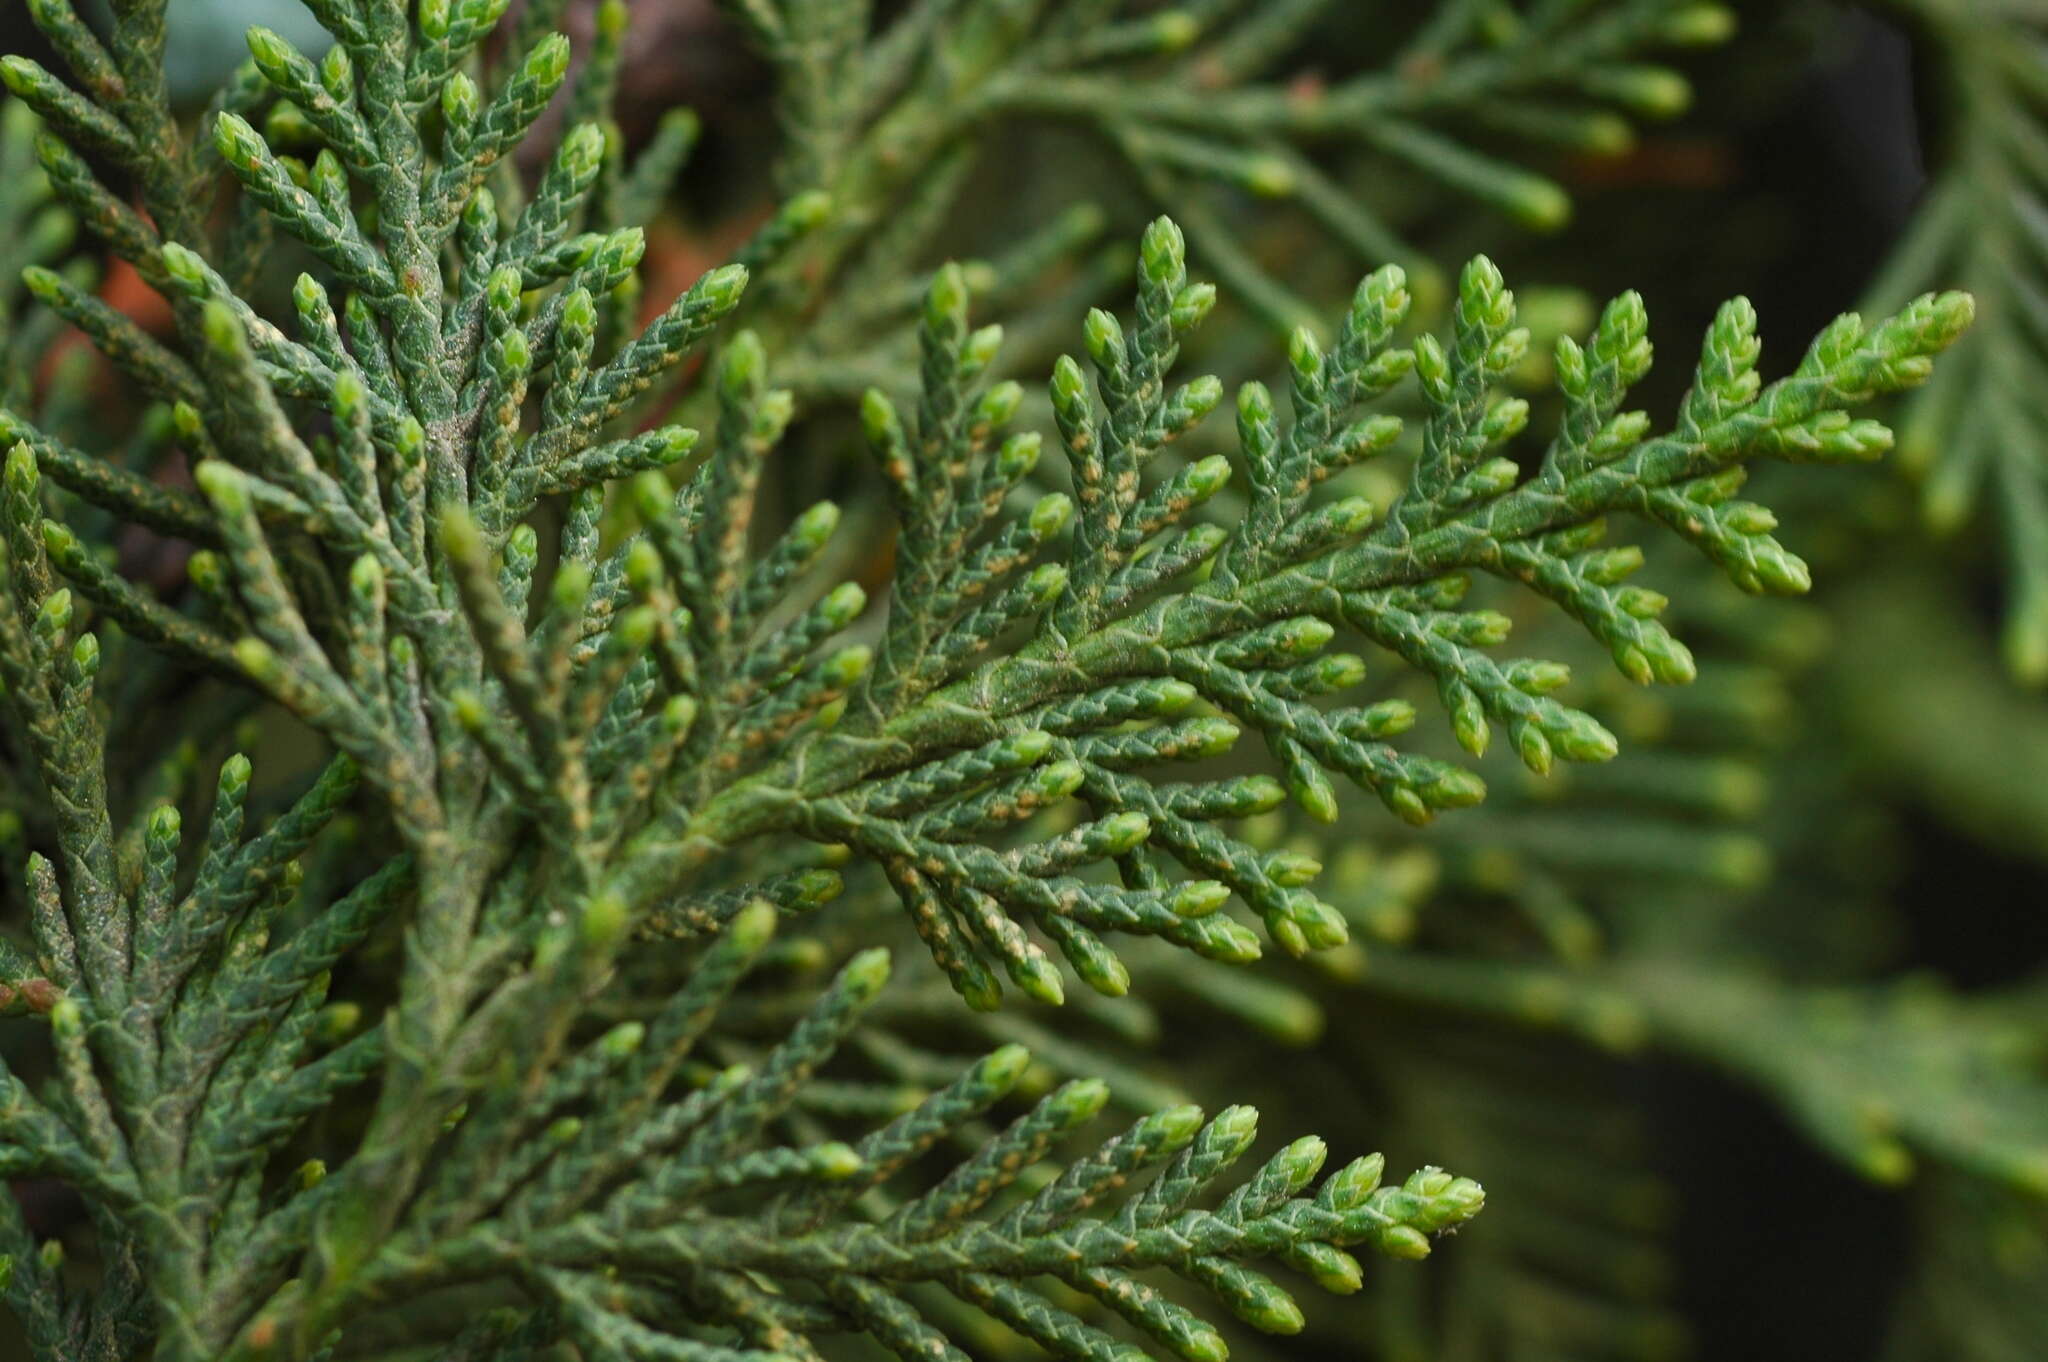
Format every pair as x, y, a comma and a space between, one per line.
492, 1016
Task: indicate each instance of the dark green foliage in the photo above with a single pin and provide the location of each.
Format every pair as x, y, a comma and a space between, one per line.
520, 1026
1976, 436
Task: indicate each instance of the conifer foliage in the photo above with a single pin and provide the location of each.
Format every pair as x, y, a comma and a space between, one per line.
316, 1084
1981, 223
